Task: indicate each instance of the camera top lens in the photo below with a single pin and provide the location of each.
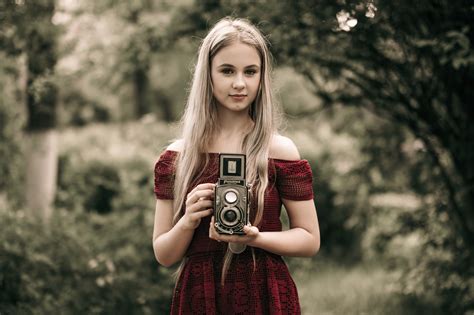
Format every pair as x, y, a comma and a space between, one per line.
230, 197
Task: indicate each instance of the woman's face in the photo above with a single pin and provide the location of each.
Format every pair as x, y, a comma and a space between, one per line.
235, 73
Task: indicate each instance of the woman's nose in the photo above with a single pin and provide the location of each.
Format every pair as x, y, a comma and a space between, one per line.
238, 82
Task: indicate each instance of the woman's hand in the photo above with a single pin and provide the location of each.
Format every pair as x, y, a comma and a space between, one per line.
251, 233
198, 205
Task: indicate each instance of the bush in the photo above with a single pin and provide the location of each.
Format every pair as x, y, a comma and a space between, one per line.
102, 186
80, 264
95, 256
92, 185
432, 261
107, 168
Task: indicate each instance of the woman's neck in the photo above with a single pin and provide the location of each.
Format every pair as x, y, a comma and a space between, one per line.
230, 121
230, 133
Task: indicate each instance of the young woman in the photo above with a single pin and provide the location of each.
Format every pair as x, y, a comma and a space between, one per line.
230, 109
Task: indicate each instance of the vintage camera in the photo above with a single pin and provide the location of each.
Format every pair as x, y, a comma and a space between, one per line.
231, 200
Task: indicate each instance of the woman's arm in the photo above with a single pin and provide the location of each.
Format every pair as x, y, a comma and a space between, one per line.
171, 242
302, 239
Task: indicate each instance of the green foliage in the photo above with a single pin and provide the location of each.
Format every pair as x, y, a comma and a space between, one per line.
115, 172
340, 236
12, 121
81, 110
413, 234
29, 30
355, 156
379, 200
94, 185
111, 60
80, 264
88, 260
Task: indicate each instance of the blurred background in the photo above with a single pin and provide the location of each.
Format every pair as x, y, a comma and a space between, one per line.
377, 95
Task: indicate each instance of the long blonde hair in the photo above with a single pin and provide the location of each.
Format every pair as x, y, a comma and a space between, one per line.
199, 122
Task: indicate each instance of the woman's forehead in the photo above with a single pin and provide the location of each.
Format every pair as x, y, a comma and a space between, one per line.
238, 55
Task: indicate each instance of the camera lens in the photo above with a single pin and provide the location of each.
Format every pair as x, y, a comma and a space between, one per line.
230, 197
230, 216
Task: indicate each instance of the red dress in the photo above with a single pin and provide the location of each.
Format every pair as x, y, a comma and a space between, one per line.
266, 288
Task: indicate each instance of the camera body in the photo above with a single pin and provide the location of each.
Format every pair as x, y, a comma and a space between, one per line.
231, 199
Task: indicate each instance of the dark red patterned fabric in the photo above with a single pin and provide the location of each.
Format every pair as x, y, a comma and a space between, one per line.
263, 288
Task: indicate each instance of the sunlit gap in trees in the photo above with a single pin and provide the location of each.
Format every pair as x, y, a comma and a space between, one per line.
346, 21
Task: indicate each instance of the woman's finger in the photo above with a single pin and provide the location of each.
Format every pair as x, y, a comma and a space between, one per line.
250, 233
212, 229
206, 186
213, 232
251, 230
199, 205
201, 214
200, 194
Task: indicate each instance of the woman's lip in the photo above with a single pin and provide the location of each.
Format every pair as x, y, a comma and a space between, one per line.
238, 97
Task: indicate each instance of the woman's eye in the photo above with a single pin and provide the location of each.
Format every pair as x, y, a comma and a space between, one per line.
227, 71
250, 72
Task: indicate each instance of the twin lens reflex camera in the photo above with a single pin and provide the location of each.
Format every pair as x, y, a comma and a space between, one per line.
231, 200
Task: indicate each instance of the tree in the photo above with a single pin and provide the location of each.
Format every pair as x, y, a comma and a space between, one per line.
32, 33
134, 32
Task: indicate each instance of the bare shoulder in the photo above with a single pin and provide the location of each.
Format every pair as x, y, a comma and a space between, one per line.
177, 145
283, 148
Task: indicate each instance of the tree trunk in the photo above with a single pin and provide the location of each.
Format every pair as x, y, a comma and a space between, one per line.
163, 101
140, 85
41, 172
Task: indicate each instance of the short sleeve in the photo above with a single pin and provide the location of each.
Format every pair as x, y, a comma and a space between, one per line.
294, 179
164, 175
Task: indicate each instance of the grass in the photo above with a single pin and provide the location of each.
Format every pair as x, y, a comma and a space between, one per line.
363, 289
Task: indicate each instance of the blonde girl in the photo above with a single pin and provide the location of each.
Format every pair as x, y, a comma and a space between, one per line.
230, 109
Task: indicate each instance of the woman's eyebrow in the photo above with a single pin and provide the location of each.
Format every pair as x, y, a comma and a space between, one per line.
228, 65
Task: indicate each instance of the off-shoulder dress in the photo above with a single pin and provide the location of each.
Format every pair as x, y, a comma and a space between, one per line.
262, 288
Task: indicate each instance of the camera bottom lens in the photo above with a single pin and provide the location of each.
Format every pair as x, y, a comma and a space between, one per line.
230, 216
